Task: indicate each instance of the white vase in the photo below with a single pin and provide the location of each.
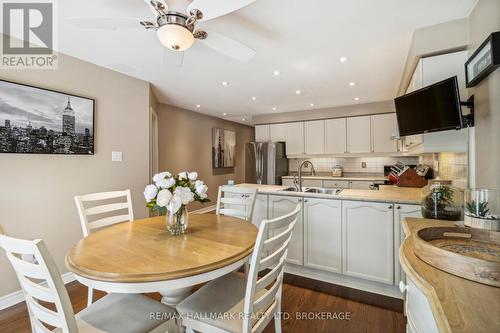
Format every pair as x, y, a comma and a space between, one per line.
480, 223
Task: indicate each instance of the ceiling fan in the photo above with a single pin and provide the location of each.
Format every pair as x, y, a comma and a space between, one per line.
177, 31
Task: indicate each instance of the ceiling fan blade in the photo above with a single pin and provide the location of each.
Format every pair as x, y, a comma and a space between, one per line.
215, 8
156, 5
228, 46
105, 23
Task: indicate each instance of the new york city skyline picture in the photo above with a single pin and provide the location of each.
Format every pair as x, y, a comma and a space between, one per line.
39, 121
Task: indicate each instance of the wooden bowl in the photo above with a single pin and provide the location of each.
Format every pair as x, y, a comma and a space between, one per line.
470, 253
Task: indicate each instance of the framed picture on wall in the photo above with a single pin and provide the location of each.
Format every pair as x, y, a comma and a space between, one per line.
41, 121
223, 148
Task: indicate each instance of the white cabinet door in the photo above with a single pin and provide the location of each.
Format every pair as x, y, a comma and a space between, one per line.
336, 136
314, 136
323, 234
260, 209
368, 240
418, 310
384, 130
358, 134
261, 133
277, 132
281, 205
294, 133
400, 213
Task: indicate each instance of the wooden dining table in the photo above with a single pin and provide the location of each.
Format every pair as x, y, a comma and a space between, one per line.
142, 256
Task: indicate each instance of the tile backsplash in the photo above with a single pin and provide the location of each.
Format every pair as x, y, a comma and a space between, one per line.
451, 166
351, 164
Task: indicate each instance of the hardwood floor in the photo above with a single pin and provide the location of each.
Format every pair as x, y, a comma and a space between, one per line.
301, 306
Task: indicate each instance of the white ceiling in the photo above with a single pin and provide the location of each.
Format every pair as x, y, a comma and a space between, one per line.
304, 40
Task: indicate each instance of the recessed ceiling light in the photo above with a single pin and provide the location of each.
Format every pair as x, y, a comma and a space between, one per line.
224, 114
243, 119
352, 84
311, 105
274, 108
276, 72
298, 92
254, 98
343, 59
356, 98
224, 83
198, 106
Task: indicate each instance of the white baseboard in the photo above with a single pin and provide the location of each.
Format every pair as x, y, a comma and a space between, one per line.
18, 297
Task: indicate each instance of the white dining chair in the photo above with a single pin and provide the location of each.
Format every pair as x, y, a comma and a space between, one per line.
96, 214
41, 283
236, 201
235, 304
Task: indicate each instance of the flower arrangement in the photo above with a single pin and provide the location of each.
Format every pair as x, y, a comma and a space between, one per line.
171, 193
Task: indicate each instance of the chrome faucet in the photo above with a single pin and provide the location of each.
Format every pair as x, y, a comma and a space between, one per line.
313, 172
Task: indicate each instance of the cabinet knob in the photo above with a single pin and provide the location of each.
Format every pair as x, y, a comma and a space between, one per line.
403, 287
305, 200
300, 200
390, 207
398, 207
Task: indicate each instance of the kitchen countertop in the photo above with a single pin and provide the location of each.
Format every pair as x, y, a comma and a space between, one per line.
347, 176
389, 193
458, 305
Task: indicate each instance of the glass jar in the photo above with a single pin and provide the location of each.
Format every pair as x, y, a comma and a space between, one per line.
441, 201
482, 208
177, 223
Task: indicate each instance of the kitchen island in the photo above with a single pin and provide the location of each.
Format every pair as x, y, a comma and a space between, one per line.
351, 238
437, 301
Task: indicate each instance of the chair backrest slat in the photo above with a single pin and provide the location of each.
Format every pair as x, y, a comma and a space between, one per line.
268, 300
44, 271
107, 208
236, 201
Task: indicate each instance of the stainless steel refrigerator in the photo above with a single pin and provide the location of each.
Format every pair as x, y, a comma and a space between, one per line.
265, 162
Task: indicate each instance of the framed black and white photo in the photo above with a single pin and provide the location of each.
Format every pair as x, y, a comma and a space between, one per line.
483, 61
223, 148
41, 121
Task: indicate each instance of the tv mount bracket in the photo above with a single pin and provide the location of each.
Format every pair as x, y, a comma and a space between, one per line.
468, 120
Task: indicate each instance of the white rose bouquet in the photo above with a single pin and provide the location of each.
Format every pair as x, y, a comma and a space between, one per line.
173, 192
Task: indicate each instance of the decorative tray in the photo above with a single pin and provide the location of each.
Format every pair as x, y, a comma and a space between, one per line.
470, 253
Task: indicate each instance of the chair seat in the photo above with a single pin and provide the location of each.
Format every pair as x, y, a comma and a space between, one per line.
124, 313
219, 303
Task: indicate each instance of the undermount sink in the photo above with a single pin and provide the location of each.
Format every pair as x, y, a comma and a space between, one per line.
333, 191
289, 189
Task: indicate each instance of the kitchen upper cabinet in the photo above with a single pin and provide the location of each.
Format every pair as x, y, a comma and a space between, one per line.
281, 205
384, 129
260, 209
294, 134
336, 136
323, 234
358, 134
368, 240
262, 133
314, 136
277, 132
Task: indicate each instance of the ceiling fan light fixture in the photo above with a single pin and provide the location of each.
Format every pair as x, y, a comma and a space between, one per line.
175, 37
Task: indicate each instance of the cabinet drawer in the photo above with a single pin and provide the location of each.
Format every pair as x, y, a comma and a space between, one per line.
312, 183
361, 185
336, 183
418, 310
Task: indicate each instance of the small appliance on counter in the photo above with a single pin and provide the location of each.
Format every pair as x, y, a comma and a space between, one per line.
265, 162
337, 171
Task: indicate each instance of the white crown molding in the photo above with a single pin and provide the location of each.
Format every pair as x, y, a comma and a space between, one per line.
18, 297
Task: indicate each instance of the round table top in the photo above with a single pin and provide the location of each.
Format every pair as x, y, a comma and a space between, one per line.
144, 250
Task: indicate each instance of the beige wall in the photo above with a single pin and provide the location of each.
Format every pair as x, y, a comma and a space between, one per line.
334, 112
36, 191
185, 144
485, 19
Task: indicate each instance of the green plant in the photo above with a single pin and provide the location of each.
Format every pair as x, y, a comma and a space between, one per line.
478, 209
439, 198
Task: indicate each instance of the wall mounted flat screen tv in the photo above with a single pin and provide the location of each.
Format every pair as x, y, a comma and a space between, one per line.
430, 109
